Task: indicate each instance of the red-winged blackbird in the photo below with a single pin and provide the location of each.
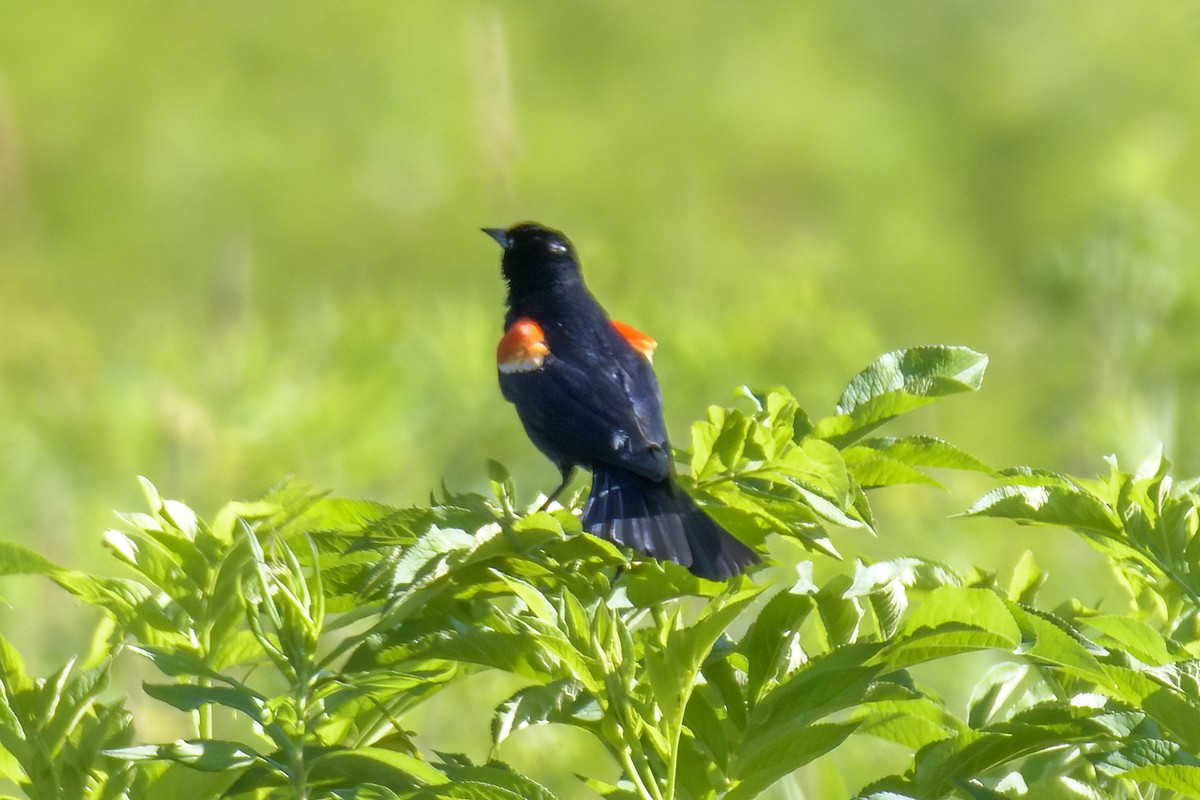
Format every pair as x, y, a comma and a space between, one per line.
587, 396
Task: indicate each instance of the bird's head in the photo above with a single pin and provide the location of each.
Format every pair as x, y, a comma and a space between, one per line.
535, 257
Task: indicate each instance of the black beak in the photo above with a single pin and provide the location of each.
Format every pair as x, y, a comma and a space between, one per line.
499, 234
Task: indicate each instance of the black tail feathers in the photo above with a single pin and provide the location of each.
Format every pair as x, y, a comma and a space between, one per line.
657, 518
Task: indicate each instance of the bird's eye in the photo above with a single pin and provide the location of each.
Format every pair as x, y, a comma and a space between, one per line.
556, 247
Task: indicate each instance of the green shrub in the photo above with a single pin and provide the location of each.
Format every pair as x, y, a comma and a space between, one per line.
297, 632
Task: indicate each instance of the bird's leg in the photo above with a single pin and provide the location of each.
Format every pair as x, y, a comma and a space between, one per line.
567, 473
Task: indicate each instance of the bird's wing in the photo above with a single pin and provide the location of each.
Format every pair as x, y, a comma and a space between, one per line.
593, 404
637, 340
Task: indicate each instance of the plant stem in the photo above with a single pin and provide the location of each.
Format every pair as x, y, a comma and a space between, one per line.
299, 769
204, 722
635, 775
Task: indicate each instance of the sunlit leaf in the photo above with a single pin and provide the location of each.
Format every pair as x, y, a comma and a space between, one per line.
1048, 505
209, 755
899, 382
780, 752
558, 701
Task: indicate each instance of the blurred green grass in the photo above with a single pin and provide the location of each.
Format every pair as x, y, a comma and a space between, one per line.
239, 241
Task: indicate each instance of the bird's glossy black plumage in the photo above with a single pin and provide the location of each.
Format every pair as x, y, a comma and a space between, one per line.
588, 397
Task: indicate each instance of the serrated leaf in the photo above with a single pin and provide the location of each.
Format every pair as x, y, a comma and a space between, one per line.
953, 620
929, 371
1048, 505
1176, 777
502, 486
1027, 578
18, 560
209, 755
912, 723
820, 465
704, 436
898, 382
562, 701
367, 791
731, 440
534, 601
1054, 642
992, 691
483, 779
840, 615
918, 573
821, 687
377, 765
1139, 639
611, 791
780, 752
977, 608
925, 451
672, 668
873, 470
771, 644
12, 669
1179, 715
189, 697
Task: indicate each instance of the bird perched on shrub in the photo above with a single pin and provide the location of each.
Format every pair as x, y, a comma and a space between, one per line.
586, 392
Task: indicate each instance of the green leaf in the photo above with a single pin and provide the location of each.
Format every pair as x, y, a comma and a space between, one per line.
731, 441
12, 671
899, 382
367, 791
912, 723
953, 620
534, 601
189, 697
873, 470
886, 461
781, 751
929, 371
177, 663
1179, 715
72, 701
1050, 639
916, 573
156, 563
18, 560
772, 643
1176, 777
1048, 505
563, 701
819, 466
1139, 639
753, 510
840, 614
925, 451
517, 653
467, 790
825, 685
704, 437
609, 791
1027, 579
502, 486
484, 779
376, 765
672, 667
209, 755
991, 692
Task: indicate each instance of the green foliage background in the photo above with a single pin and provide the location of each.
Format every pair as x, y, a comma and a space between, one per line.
238, 240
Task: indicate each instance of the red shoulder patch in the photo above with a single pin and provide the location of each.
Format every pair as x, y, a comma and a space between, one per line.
637, 340
523, 348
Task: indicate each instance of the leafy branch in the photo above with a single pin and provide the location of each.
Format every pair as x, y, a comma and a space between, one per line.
296, 634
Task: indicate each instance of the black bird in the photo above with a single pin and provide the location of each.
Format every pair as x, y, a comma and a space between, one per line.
587, 395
